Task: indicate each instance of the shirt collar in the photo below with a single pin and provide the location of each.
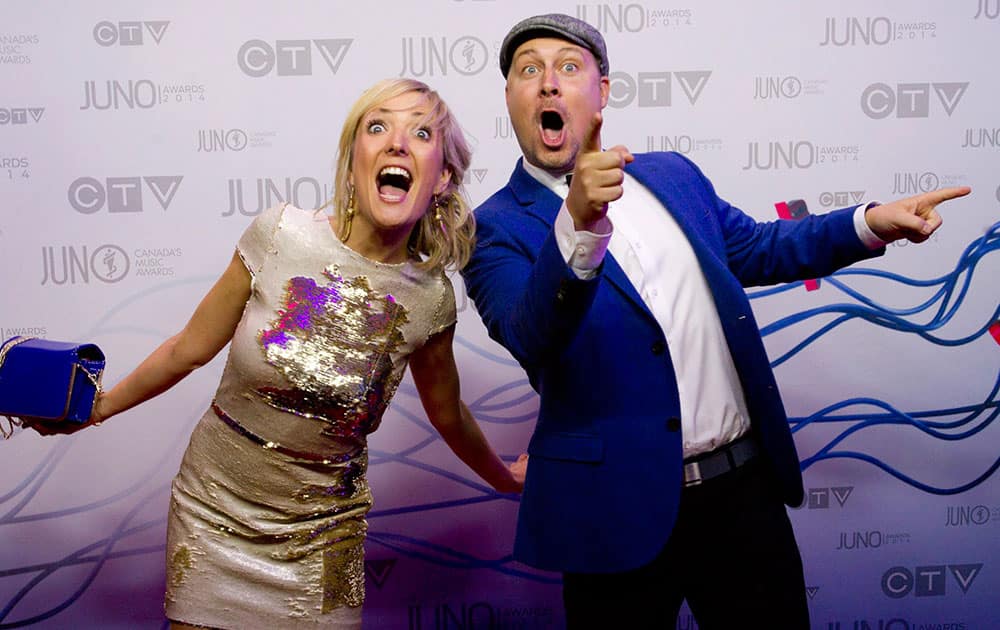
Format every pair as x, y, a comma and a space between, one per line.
555, 183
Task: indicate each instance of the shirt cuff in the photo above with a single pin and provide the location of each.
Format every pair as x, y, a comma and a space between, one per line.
583, 251
870, 240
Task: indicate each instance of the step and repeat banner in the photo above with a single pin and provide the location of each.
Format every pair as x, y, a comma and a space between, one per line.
138, 140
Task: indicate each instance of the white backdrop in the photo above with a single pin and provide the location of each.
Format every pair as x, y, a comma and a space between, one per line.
138, 140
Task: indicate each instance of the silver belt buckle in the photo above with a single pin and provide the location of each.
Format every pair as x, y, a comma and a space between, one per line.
692, 474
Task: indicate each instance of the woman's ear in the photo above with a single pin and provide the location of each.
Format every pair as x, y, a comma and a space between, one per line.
443, 181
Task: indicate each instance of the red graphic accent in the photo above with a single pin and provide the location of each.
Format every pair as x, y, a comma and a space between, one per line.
794, 210
995, 331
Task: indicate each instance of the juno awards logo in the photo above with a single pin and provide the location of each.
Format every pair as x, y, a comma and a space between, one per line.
436, 56
68, 264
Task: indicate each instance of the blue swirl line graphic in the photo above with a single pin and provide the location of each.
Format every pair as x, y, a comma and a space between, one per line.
495, 358
953, 289
939, 310
41, 471
106, 545
894, 416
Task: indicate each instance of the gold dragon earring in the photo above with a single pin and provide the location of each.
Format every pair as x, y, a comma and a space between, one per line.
349, 213
440, 203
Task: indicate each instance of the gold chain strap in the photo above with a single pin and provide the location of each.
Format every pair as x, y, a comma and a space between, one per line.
12, 423
96, 380
10, 343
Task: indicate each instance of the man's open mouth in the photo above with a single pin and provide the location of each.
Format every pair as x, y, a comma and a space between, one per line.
553, 128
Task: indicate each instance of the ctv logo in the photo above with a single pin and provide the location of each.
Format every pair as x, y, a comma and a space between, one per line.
475, 175
20, 115
654, 89
128, 33
910, 100
290, 57
928, 581
378, 570
819, 498
841, 198
88, 195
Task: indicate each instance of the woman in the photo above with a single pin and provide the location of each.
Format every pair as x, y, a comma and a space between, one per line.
267, 515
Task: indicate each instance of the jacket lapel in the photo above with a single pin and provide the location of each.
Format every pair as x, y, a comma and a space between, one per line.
537, 200
728, 293
647, 173
615, 275
543, 204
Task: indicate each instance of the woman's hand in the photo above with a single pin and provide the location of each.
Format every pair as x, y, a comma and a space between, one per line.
436, 377
513, 483
519, 469
47, 427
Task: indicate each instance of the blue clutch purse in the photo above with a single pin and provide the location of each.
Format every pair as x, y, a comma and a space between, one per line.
55, 381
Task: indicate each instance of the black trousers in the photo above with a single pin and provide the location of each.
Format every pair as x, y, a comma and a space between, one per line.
732, 555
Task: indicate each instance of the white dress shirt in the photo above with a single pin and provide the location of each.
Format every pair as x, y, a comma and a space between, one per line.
661, 265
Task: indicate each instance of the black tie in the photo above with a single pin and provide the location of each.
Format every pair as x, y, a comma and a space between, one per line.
569, 179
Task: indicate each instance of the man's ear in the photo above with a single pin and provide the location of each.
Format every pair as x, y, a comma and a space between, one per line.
605, 91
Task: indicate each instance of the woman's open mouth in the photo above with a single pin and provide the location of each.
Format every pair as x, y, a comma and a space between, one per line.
393, 183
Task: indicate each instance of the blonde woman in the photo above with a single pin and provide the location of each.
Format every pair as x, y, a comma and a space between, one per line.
324, 312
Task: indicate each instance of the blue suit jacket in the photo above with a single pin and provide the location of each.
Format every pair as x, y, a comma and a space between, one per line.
605, 472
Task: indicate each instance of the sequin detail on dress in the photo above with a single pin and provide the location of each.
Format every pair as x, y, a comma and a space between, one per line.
334, 343
343, 577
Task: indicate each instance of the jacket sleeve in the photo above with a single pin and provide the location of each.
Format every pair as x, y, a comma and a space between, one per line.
769, 252
530, 300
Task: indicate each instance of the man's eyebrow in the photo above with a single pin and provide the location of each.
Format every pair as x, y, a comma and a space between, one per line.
564, 49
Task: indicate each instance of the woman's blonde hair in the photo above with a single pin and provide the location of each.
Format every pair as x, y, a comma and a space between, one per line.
444, 242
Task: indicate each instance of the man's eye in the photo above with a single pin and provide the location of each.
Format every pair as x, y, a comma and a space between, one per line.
530, 70
570, 67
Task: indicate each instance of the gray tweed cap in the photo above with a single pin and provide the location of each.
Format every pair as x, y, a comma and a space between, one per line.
557, 25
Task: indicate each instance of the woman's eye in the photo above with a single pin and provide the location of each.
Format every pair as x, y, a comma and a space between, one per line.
423, 133
375, 127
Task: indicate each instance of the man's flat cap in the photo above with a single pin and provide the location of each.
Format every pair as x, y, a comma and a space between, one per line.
557, 25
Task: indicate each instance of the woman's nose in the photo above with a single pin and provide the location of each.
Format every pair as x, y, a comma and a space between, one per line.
398, 144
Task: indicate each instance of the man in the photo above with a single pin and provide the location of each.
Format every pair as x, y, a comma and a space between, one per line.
662, 455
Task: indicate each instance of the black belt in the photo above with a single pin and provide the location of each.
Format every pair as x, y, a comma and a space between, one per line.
720, 461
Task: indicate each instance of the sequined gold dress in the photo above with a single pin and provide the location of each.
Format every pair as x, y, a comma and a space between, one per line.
267, 513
